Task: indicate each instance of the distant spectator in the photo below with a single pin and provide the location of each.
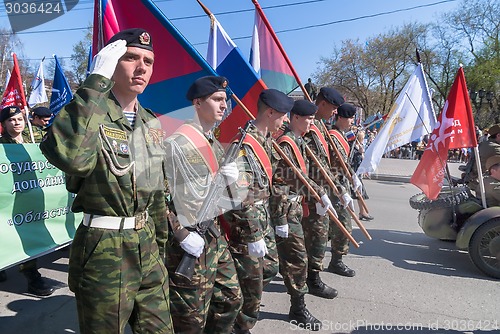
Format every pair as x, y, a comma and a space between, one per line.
311, 89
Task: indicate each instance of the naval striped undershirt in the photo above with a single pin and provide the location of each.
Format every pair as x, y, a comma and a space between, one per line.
130, 115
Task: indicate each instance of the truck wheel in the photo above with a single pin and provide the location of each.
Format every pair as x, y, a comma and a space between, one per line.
484, 248
446, 198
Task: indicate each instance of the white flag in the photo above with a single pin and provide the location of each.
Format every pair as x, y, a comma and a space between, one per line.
411, 117
38, 94
7, 78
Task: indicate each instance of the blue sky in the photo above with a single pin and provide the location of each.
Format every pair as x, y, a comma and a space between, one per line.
291, 19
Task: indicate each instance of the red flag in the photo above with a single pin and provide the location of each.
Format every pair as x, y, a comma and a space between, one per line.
14, 92
454, 129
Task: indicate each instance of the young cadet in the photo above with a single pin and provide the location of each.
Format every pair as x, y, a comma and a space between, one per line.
252, 242
340, 243
315, 226
41, 119
210, 301
111, 150
288, 202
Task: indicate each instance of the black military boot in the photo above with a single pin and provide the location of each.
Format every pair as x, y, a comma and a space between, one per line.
318, 288
338, 267
238, 330
300, 316
3, 276
36, 284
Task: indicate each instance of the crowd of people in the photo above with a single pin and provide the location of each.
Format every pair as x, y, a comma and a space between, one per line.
178, 235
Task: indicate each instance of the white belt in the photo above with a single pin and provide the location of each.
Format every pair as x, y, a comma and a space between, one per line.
295, 198
111, 222
259, 202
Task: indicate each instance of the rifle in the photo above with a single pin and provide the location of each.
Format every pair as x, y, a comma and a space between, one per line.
204, 219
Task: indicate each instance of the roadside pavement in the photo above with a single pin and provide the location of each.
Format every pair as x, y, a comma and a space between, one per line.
401, 170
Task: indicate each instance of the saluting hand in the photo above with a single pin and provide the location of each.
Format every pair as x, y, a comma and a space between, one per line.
105, 61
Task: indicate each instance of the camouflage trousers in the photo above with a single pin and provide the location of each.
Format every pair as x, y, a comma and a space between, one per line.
292, 253
340, 243
316, 237
254, 274
118, 277
211, 300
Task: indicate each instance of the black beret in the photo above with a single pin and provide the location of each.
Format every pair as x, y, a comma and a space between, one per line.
332, 96
8, 112
137, 37
304, 108
346, 110
277, 100
42, 112
205, 86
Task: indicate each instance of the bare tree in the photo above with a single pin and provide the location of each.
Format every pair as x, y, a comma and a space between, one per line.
372, 74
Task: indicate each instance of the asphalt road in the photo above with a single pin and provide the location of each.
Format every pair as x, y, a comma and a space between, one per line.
406, 282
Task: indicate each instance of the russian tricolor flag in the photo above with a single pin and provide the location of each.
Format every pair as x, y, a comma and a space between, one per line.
228, 61
177, 63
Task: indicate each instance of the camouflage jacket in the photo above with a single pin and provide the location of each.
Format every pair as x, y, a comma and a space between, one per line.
344, 155
114, 169
189, 176
9, 140
38, 133
317, 148
287, 184
253, 185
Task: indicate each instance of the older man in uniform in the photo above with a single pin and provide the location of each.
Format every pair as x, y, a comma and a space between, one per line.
251, 237
492, 182
340, 243
210, 301
315, 226
487, 149
288, 204
111, 150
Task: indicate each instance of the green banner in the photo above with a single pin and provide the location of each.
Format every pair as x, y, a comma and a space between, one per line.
35, 210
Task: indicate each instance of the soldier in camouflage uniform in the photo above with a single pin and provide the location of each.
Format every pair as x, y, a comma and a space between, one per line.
315, 226
39, 123
340, 243
252, 242
287, 205
111, 150
211, 300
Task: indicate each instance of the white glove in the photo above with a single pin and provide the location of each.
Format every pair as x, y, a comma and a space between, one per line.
347, 201
257, 248
282, 231
105, 61
356, 183
322, 209
193, 244
230, 171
